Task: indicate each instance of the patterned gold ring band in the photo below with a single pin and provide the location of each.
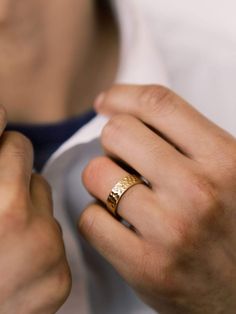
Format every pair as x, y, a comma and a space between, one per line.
119, 190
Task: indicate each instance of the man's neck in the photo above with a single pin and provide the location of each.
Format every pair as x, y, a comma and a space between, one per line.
54, 62
100, 68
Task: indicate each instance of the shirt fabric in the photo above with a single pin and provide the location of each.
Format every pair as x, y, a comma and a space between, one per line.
47, 138
197, 42
199, 67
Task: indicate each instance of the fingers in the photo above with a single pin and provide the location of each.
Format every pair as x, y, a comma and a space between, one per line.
41, 197
130, 140
112, 240
138, 205
162, 109
41, 194
16, 160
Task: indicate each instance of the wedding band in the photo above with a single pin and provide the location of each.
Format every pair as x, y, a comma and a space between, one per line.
119, 190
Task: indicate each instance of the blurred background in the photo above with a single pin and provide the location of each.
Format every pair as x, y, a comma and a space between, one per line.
197, 40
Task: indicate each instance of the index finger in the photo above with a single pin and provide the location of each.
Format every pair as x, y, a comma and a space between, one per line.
166, 112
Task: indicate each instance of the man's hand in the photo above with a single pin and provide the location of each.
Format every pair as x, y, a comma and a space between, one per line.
180, 255
33, 269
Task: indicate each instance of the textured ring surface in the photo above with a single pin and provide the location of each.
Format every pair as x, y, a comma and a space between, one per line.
119, 190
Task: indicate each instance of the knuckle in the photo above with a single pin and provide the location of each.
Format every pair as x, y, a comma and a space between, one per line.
57, 286
156, 100
62, 283
115, 126
94, 168
14, 213
19, 144
39, 179
49, 241
14, 220
87, 222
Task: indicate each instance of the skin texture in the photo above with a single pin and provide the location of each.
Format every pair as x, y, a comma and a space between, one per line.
51, 56
182, 258
35, 277
180, 254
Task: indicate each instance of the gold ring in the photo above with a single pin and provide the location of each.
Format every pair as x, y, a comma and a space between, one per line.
119, 190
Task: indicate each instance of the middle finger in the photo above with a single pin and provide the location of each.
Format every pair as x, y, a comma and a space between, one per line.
150, 155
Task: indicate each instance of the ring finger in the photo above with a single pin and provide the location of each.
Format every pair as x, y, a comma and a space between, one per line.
138, 206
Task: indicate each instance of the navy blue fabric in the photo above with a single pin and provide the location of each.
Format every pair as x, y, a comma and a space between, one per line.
46, 138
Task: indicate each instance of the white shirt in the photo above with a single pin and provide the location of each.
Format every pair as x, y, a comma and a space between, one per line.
197, 41
197, 70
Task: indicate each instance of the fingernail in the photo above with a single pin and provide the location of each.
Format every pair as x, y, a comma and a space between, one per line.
99, 101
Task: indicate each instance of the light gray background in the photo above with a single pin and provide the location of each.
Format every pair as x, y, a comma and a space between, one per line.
197, 40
